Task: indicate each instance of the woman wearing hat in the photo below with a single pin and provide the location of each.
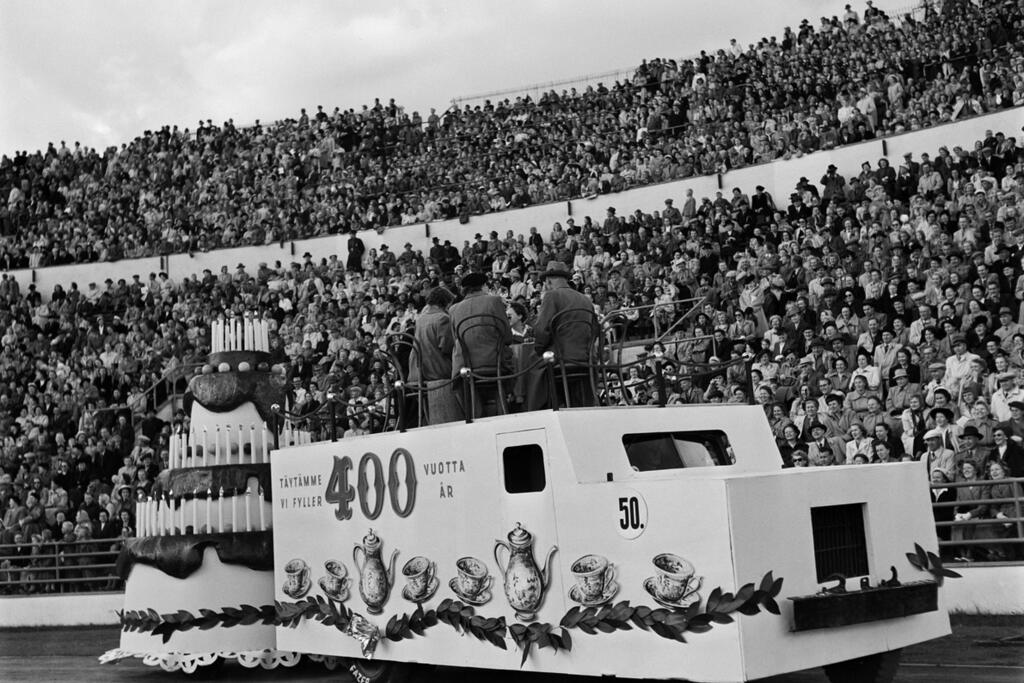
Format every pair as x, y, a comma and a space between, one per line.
941, 419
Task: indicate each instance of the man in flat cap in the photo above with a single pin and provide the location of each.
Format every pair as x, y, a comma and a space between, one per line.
937, 456
1008, 392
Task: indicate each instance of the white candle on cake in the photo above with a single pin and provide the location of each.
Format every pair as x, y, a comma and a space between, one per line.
220, 510
216, 446
259, 502
209, 518
195, 511
248, 501
206, 449
234, 511
181, 514
252, 443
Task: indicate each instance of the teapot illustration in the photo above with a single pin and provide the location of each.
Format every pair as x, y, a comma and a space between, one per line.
375, 579
525, 582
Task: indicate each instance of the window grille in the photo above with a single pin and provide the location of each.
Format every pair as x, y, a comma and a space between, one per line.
840, 546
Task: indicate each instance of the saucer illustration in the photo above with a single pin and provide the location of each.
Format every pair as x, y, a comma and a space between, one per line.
300, 591
609, 592
689, 598
482, 598
341, 595
431, 589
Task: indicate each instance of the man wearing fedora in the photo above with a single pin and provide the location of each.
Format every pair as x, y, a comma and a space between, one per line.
566, 322
970, 451
487, 344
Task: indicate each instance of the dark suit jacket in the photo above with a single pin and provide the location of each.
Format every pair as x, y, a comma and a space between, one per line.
574, 340
487, 346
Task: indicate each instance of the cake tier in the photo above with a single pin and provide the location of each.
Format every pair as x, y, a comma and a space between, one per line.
239, 437
187, 481
234, 358
214, 586
184, 511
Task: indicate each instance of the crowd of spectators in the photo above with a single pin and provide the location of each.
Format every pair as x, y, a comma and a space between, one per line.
883, 313
880, 328
818, 87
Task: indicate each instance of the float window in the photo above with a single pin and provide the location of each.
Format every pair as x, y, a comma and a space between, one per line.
524, 468
677, 450
840, 546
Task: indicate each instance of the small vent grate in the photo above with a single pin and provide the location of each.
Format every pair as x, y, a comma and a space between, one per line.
839, 542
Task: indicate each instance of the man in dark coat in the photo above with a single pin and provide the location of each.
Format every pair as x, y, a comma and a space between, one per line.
487, 344
566, 324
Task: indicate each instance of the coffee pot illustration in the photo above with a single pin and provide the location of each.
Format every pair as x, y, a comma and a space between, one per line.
375, 578
525, 582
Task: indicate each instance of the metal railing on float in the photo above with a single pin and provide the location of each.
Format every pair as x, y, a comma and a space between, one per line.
49, 567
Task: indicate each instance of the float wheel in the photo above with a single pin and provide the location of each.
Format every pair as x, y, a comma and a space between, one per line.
876, 668
379, 671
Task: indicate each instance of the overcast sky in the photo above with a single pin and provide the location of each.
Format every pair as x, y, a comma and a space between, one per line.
102, 71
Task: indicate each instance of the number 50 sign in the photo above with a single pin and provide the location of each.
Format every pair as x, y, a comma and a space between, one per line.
631, 514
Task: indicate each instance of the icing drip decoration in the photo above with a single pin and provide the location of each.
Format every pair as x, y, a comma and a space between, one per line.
225, 391
180, 556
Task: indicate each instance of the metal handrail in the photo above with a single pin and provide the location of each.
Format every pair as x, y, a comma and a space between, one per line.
53, 561
989, 521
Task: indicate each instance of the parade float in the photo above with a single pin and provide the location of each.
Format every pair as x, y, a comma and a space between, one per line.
661, 542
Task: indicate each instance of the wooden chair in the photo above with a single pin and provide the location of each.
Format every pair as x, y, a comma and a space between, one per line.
574, 341
479, 337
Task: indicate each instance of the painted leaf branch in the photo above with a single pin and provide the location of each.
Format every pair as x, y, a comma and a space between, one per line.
930, 562
166, 625
462, 618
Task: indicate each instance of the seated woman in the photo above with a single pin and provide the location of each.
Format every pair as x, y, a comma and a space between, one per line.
980, 417
1000, 512
859, 444
970, 506
789, 443
884, 434
868, 371
860, 393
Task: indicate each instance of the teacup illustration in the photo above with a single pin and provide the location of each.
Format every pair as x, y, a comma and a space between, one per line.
419, 574
296, 576
674, 574
335, 582
473, 578
594, 575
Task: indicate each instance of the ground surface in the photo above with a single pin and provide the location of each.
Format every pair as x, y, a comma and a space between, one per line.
989, 650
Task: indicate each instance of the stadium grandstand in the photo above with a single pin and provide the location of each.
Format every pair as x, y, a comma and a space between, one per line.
881, 310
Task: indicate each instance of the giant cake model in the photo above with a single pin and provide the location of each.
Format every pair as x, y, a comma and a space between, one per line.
199, 575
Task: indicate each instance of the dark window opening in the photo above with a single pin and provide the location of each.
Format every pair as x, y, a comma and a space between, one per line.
524, 468
840, 546
677, 450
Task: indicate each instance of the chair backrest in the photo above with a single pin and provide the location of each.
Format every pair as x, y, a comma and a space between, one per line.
480, 339
574, 334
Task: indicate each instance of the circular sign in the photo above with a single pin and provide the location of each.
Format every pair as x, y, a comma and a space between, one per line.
630, 514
